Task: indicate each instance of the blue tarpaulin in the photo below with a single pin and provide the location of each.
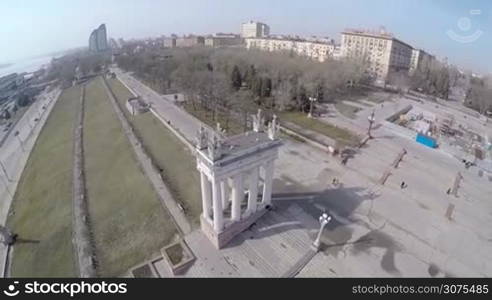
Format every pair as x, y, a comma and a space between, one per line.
426, 140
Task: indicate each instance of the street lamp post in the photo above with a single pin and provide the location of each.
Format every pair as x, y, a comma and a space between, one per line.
311, 101
324, 219
371, 119
20, 141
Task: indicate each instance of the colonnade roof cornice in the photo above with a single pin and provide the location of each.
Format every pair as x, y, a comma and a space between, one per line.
228, 159
242, 166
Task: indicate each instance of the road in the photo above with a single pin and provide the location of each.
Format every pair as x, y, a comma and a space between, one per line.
180, 120
16, 150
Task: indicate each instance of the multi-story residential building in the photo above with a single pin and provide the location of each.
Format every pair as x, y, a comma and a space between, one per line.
170, 42
383, 53
254, 30
98, 40
314, 49
223, 40
337, 52
418, 57
190, 41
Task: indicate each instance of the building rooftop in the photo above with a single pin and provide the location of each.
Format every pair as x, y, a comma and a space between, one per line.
241, 146
381, 34
297, 39
238, 144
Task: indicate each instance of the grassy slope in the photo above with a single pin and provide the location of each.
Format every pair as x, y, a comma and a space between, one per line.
347, 110
43, 202
170, 154
232, 127
340, 134
127, 218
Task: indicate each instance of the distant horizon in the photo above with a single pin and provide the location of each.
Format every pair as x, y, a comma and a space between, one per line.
439, 27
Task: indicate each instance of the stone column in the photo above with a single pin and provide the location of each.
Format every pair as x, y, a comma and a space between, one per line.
237, 197
267, 186
224, 189
206, 195
253, 191
217, 206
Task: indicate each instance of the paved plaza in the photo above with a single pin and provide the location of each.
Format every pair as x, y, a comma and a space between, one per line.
377, 230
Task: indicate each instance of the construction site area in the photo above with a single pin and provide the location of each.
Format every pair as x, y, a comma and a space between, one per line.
463, 135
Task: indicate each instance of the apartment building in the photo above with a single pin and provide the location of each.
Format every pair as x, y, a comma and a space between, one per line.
169, 42
314, 49
223, 40
190, 41
383, 53
418, 57
254, 30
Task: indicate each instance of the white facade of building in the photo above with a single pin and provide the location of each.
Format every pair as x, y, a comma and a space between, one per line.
418, 56
236, 176
382, 52
254, 30
313, 49
223, 40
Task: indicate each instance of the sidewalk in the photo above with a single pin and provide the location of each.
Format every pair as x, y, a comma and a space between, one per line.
184, 123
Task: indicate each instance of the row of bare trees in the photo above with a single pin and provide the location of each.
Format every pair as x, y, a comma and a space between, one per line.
235, 79
434, 78
479, 95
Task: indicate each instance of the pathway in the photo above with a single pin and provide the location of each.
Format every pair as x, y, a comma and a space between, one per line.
81, 231
183, 122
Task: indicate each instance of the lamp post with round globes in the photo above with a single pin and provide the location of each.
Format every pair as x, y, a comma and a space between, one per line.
311, 101
371, 119
324, 219
16, 134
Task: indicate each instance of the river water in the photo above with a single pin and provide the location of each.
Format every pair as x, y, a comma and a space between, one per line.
26, 65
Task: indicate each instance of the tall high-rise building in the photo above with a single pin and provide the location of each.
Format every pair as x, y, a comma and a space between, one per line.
93, 41
254, 30
98, 40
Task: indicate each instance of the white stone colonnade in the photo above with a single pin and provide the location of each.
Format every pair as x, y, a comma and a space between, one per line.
230, 190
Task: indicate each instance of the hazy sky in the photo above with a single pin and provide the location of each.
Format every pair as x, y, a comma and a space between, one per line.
35, 27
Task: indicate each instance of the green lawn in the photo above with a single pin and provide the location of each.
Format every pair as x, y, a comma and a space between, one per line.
42, 205
347, 110
127, 218
232, 127
341, 135
177, 163
379, 98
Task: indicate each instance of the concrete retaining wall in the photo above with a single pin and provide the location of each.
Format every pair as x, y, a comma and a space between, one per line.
82, 241
307, 140
397, 114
